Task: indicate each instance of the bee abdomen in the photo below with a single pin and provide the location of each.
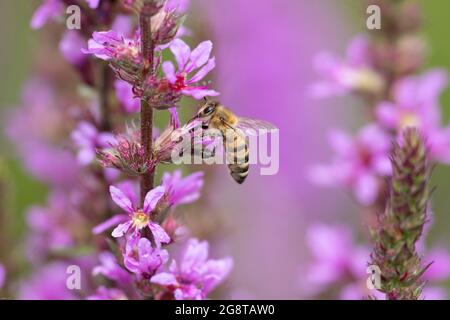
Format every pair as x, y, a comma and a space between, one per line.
238, 158
239, 177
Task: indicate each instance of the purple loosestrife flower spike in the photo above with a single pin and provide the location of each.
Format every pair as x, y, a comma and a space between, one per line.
401, 225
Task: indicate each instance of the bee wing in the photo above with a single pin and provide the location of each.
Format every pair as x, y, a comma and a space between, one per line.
248, 123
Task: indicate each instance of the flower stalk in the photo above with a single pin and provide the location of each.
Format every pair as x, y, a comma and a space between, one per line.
147, 51
401, 225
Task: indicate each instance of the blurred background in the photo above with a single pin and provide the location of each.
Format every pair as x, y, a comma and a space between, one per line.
264, 51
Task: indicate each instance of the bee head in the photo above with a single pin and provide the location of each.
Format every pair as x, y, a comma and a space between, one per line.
208, 108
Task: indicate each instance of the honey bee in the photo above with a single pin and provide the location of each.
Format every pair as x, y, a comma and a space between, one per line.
216, 116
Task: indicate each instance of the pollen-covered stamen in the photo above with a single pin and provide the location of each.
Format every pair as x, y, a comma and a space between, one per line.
140, 219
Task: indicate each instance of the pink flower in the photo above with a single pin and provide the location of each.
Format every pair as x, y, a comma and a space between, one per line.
70, 47
196, 276
416, 104
142, 259
440, 269
339, 264
335, 258
108, 45
124, 93
182, 190
111, 269
47, 283
50, 9
88, 139
36, 128
136, 218
187, 62
355, 74
48, 226
359, 162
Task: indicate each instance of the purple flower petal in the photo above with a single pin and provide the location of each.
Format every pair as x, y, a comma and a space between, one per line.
152, 198
121, 229
434, 293
387, 114
46, 11
195, 255
341, 142
159, 233
181, 51
70, 46
86, 156
164, 279
366, 189
174, 118
124, 93
169, 70
113, 221
199, 93
199, 55
215, 272
358, 51
440, 269
121, 199
203, 71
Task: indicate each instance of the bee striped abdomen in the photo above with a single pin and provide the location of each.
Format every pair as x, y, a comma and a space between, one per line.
238, 157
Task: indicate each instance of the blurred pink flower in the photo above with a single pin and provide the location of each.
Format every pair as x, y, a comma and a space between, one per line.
36, 129
51, 164
358, 162
70, 47
47, 283
88, 139
440, 268
49, 9
196, 276
355, 74
48, 226
187, 62
111, 269
136, 218
335, 259
416, 104
141, 258
125, 95
340, 264
182, 190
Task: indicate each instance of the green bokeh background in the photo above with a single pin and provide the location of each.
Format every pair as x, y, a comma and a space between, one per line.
16, 53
